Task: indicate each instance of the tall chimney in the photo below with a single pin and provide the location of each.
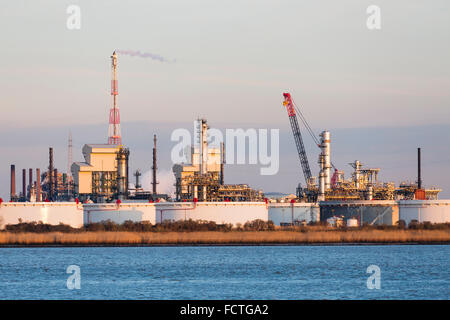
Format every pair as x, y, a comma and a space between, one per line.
38, 185
30, 181
222, 162
13, 183
50, 174
154, 167
24, 184
419, 176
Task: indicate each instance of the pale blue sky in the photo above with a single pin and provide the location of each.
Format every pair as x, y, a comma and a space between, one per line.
233, 61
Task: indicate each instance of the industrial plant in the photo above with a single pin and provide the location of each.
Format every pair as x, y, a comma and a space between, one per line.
100, 189
363, 184
203, 177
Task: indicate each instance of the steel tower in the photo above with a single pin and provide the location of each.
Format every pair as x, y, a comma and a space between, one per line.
114, 135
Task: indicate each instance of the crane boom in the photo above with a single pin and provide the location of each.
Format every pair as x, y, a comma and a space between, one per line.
297, 135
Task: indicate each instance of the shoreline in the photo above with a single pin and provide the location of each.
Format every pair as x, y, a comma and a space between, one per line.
230, 238
168, 245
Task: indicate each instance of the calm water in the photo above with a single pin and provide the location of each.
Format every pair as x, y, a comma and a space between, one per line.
277, 272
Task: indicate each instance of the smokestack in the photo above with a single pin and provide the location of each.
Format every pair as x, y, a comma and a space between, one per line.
30, 180
13, 183
24, 184
222, 145
154, 167
38, 185
50, 174
419, 176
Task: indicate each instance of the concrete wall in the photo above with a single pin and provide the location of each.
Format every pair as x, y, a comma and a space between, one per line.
434, 211
287, 212
219, 212
47, 212
374, 212
136, 212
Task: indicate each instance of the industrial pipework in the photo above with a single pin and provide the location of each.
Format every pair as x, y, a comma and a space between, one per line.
55, 184
38, 185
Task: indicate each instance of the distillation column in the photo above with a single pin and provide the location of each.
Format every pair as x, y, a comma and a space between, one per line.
325, 165
122, 173
325, 147
203, 153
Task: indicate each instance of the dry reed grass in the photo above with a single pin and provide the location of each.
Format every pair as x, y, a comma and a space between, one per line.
235, 237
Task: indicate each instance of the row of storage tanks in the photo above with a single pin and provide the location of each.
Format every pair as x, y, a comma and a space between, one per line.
354, 212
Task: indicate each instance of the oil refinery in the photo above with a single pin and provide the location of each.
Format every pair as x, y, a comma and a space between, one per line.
100, 189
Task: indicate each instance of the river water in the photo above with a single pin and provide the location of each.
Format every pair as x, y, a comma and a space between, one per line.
227, 272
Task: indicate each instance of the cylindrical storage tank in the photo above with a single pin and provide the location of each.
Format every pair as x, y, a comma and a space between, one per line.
434, 211
282, 213
352, 222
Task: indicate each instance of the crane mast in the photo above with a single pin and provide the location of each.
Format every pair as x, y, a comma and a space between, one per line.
297, 136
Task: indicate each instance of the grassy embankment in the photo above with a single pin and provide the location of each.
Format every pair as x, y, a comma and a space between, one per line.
217, 237
189, 234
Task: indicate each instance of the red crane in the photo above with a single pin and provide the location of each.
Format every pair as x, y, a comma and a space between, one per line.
297, 135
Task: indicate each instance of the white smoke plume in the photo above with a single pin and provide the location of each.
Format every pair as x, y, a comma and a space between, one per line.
166, 181
145, 55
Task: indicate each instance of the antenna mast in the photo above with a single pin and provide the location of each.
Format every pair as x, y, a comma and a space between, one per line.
114, 135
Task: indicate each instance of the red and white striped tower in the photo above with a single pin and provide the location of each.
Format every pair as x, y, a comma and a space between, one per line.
114, 135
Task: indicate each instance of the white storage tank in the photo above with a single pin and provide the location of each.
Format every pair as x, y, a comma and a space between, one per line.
219, 212
335, 222
53, 213
119, 213
434, 211
281, 213
352, 222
